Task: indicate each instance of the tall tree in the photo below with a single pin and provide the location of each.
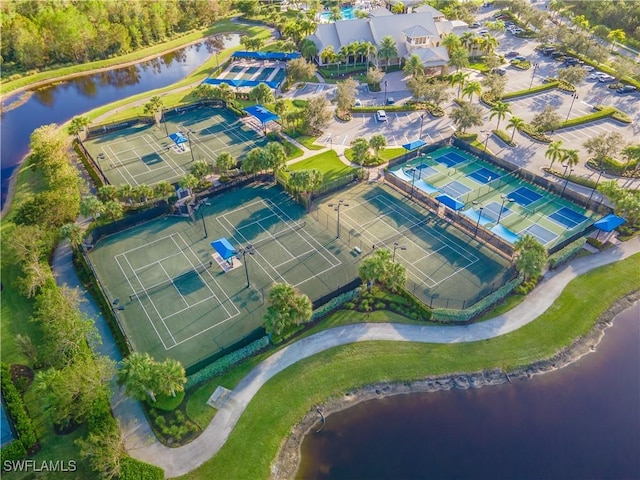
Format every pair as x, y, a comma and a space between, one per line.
346, 95
287, 307
458, 78
603, 146
225, 162
554, 152
77, 125
530, 256
547, 120
470, 88
459, 58
171, 377
277, 157
500, 110
387, 49
360, 151
377, 142
413, 67
153, 107
316, 115
466, 115
299, 70
138, 374
262, 94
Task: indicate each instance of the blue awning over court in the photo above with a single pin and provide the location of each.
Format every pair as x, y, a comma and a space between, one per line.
450, 202
261, 113
267, 55
609, 223
224, 248
178, 138
505, 233
415, 144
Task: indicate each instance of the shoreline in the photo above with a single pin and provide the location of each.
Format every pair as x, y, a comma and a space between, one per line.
287, 461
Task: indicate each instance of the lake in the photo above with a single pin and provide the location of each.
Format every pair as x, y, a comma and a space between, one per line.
579, 422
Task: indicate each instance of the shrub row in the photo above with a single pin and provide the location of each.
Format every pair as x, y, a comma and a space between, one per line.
533, 132
226, 362
567, 253
587, 182
18, 413
433, 110
615, 167
468, 314
526, 65
236, 108
101, 420
132, 469
602, 112
566, 86
334, 304
505, 137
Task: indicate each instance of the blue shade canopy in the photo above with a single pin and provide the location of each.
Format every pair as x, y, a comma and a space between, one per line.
267, 55
609, 223
505, 233
241, 83
261, 113
414, 144
178, 138
450, 202
224, 248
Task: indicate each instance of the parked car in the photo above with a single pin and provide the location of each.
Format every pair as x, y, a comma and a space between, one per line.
511, 54
475, 25
548, 50
391, 101
589, 68
381, 116
593, 77
606, 78
516, 31
357, 103
558, 54
520, 58
627, 89
500, 71
484, 31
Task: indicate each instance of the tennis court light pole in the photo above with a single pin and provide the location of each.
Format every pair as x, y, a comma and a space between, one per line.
190, 149
396, 246
250, 250
413, 181
595, 188
475, 233
505, 199
566, 180
336, 207
204, 225
164, 120
385, 92
421, 122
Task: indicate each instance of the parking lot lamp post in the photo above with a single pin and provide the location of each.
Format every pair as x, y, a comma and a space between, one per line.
505, 199
250, 250
190, 149
596, 187
535, 67
413, 181
573, 99
479, 216
486, 141
204, 225
566, 180
164, 120
336, 207
396, 246
385, 92
421, 122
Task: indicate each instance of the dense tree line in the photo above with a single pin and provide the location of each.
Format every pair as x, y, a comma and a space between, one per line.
41, 34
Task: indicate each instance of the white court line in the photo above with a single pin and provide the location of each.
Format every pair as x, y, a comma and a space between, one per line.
167, 160
119, 167
141, 304
174, 285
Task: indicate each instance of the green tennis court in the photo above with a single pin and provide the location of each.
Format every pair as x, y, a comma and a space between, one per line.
145, 154
175, 297
494, 198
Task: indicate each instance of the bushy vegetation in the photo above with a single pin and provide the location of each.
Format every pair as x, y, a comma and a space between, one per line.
18, 413
132, 469
567, 253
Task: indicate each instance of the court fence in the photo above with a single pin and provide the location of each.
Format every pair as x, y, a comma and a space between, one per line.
322, 191
468, 226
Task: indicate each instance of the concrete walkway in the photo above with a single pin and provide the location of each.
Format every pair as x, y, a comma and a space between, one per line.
179, 461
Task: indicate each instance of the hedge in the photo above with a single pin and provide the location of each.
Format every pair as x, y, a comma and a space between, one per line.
520, 65
133, 469
566, 254
14, 451
17, 411
532, 132
101, 419
602, 112
468, 314
505, 137
226, 362
334, 304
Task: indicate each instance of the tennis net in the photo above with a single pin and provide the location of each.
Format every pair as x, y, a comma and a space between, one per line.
172, 281
280, 233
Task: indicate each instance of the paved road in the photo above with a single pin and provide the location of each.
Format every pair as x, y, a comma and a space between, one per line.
179, 461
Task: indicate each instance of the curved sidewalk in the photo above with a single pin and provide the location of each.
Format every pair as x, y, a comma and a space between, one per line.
179, 461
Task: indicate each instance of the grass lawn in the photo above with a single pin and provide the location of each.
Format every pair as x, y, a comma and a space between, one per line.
327, 162
292, 393
389, 153
16, 312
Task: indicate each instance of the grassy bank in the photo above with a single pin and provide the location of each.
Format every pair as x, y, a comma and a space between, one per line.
222, 26
327, 162
289, 395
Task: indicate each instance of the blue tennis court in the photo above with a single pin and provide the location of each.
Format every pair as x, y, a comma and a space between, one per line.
543, 235
492, 211
450, 159
427, 171
483, 175
567, 217
524, 196
426, 187
264, 75
455, 189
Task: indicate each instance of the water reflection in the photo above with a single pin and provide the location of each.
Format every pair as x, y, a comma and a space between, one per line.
59, 103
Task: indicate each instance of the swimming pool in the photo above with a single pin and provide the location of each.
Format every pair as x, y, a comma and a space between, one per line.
348, 13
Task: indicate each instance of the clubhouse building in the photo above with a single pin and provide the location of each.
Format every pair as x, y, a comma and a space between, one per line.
417, 33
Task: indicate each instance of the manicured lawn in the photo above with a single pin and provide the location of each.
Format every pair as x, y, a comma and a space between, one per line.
389, 153
327, 162
292, 393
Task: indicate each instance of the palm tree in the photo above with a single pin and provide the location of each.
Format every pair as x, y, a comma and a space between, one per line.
451, 42
360, 151
500, 110
377, 142
368, 48
530, 256
488, 43
327, 54
306, 181
467, 38
618, 36
571, 157
308, 49
77, 125
171, 377
152, 107
398, 8
471, 88
458, 78
276, 155
336, 14
388, 49
515, 123
459, 58
414, 66
163, 190
73, 232
554, 152
138, 376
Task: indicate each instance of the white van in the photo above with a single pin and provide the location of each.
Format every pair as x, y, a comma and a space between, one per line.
381, 116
